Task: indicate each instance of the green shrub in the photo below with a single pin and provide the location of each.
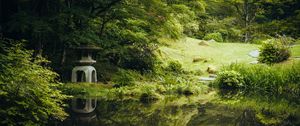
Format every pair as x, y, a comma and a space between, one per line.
124, 78
274, 52
174, 66
215, 36
229, 79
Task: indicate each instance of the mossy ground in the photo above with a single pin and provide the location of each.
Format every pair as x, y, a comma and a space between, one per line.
145, 91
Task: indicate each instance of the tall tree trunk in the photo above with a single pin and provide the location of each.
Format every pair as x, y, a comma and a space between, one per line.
63, 56
39, 45
246, 13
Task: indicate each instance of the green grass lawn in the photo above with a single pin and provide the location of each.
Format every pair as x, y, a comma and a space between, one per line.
296, 51
216, 54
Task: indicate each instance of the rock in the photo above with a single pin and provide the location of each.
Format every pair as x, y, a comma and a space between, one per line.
199, 59
254, 53
203, 43
211, 69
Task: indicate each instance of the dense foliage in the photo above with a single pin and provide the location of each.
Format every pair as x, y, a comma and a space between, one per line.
28, 90
251, 20
126, 30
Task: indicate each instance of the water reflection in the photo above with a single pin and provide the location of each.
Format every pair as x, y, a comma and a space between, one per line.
81, 113
80, 105
134, 113
76, 119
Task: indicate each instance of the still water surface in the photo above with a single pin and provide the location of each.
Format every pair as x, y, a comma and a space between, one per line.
93, 112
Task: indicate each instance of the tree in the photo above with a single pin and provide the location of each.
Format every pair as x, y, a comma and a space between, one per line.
247, 11
28, 89
118, 26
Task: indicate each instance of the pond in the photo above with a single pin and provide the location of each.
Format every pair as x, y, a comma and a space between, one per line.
183, 111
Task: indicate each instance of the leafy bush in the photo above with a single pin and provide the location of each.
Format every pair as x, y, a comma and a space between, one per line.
125, 78
229, 79
28, 90
175, 67
274, 52
215, 36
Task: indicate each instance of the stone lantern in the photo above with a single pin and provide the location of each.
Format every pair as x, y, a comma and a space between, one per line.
84, 71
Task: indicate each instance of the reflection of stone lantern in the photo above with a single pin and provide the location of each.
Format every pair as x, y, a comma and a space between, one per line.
83, 105
84, 72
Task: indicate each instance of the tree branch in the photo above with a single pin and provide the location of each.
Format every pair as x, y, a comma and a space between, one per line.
107, 7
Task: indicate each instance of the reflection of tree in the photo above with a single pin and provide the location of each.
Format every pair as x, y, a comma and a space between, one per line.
136, 113
218, 115
260, 108
82, 119
162, 114
247, 118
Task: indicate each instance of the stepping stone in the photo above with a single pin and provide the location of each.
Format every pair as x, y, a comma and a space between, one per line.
254, 62
207, 79
254, 53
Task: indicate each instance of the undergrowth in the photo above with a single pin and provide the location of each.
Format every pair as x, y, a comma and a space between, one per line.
128, 84
279, 79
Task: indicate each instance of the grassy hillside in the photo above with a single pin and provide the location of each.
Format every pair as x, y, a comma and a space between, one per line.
196, 54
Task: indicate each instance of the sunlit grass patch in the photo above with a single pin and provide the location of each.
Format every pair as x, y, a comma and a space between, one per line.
213, 53
295, 51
